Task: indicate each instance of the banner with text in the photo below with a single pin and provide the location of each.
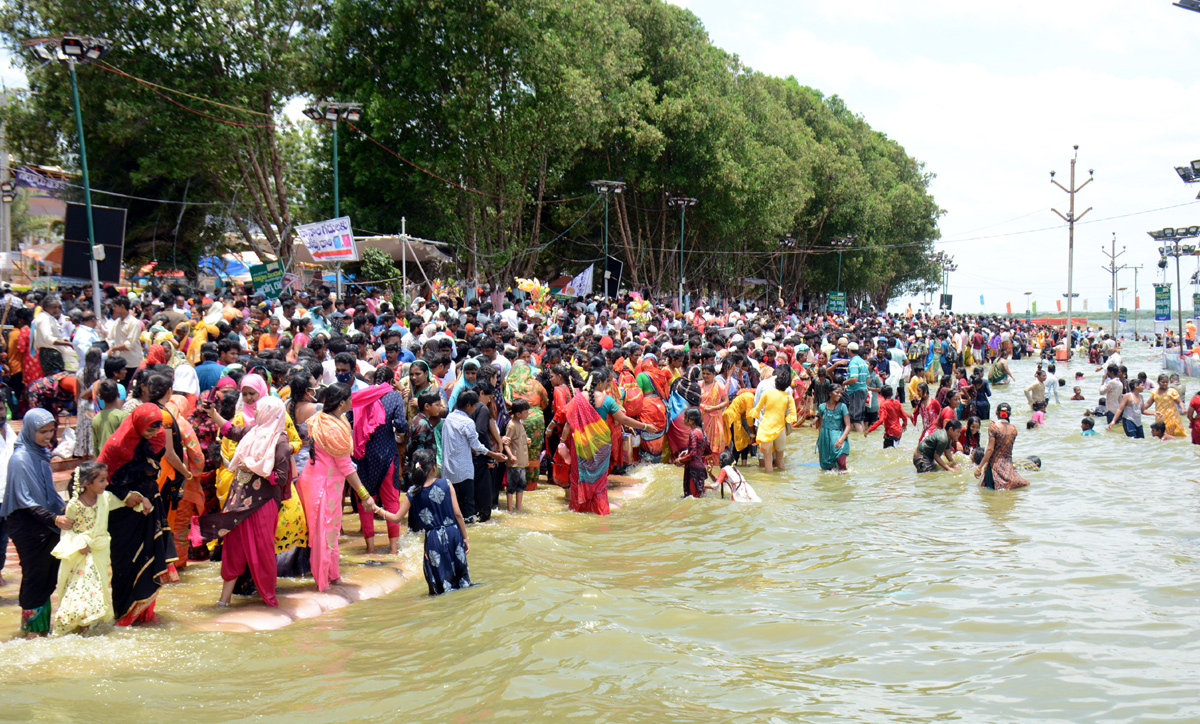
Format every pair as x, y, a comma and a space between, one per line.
267, 279
329, 241
1162, 302
837, 302
581, 285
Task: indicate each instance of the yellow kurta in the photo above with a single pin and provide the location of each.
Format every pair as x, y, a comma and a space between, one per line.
778, 409
84, 591
739, 410
1167, 405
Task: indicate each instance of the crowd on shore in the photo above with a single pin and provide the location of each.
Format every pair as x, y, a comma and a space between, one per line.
227, 427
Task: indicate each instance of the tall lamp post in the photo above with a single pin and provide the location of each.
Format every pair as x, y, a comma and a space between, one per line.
1028, 295
1071, 218
331, 113
606, 189
1172, 245
683, 202
842, 243
69, 50
787, 242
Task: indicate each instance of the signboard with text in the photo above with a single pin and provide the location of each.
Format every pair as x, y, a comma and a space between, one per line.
329, 241
1196, 305
1121, 316
267, 279
837, 302
1162, 302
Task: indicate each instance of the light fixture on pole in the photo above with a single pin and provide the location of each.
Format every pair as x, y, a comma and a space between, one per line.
331, 113
787, 242
606, 189
72, 49
1172, 239
1193, 5
842, 243
1071, 219
683, 202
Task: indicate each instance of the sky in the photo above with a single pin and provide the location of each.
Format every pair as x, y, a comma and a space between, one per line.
991, 98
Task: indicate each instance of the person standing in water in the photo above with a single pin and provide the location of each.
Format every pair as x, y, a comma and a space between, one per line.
996, 471
1129, 411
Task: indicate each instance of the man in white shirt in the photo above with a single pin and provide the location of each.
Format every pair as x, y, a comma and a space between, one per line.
126, 336
85, 334
47, 333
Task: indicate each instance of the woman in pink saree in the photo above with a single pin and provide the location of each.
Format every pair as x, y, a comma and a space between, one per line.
320, 483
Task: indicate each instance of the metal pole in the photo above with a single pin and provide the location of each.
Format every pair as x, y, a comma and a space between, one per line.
1113, 264
839, 279
604, 266
5, 176
404, 256
336, 208
1071, 257
682, 211
87, 192
1135, 300
1179, 298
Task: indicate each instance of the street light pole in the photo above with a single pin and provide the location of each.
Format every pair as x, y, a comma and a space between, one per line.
1071, 218
605, 189
87, 191
842, 242
1027, 296
1135, 298
70, 49
1112, 269
334, 113
683, 202
1172, 239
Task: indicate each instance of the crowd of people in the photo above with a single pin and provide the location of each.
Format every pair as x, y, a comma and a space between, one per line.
230, 428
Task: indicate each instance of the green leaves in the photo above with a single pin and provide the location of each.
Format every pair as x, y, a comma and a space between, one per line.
509, 109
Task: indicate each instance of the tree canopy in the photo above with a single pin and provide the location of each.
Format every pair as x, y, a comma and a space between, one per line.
483, 123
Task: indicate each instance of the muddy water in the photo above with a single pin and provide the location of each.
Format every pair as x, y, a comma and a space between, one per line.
874, 596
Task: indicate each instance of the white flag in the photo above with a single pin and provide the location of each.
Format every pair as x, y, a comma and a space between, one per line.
580, 286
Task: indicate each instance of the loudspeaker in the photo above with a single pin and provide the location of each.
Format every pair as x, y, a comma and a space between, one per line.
109, 223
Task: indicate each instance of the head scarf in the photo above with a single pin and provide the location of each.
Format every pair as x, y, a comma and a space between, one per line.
155, 355
331, 434
186, 380
368, 414
30, 482
120, 448
250, 410
256, 450
216, 313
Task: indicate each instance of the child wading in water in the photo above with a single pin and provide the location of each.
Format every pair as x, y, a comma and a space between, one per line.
695, 473
739, 490
438, 514
517, 450
84, 591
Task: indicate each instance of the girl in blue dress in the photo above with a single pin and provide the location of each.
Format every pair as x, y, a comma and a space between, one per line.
437, 513
832, 445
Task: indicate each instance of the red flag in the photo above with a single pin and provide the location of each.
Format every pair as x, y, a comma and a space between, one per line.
1059, 303
1137, 302
1009, 305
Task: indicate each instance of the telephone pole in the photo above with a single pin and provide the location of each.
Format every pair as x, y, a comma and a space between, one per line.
1112, 269
1135, 298
1071, 218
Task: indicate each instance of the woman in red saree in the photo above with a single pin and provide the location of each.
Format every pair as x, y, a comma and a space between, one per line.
655, 384
561, 399
589, 438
